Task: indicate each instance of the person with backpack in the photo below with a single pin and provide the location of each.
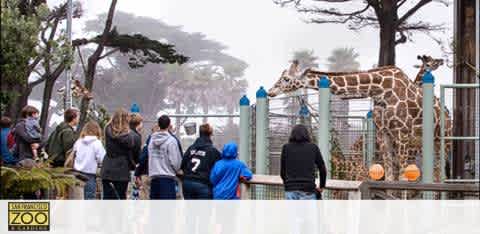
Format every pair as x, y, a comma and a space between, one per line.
118, 162
63, 137
227, 174
297, 166
89, 153
197, 164
25, 143
7, 142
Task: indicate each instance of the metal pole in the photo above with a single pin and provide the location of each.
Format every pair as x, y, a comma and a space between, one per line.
371, 139
261, 115
442, 133
428, 126
68, 95
324, 121
245, 129
477, 108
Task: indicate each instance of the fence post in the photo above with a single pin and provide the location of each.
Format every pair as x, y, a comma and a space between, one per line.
428, 127
324, 121
245, 129
371, 139
244, 191
261, 115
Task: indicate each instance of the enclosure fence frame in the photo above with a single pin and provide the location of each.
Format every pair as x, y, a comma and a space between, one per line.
324, 122
442, 127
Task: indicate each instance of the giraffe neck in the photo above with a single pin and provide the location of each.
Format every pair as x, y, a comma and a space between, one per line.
352, 85
418, 78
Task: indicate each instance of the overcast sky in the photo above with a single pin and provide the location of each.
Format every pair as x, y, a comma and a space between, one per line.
265, 35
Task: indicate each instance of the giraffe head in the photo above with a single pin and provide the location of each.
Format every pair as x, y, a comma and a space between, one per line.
429, 63
284, 84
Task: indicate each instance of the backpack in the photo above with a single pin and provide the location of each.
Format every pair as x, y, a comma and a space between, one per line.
10, 140
53, 137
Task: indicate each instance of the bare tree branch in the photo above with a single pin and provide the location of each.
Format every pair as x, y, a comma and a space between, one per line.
332, 12
109, 53
412, 11
400, 3
84, 68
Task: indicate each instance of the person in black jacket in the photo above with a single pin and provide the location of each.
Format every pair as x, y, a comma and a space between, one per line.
197, 164
297, 167
136, 125
118, 162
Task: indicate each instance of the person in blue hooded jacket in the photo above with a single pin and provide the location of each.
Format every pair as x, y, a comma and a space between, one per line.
227, 172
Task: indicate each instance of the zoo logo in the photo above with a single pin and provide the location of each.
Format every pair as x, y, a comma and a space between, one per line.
28, 216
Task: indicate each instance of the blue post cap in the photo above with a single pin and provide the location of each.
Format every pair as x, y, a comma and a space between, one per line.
135, 108
370, 114
244, 101
428, 77
324, 82
304, 112
261, 93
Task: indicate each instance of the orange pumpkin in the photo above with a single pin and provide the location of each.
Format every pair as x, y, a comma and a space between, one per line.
411, 172
376, 171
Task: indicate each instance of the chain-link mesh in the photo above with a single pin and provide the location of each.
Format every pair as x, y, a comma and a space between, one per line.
226, 129
277, 192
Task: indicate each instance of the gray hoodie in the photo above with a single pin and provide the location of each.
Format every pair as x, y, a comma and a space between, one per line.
164, 156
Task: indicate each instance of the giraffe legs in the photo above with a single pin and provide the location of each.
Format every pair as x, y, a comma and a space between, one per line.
386, 151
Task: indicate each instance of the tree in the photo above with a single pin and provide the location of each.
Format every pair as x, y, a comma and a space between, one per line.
393, 18
164, 85
18, 44
140, 49
343, 60
42, 60
306, 59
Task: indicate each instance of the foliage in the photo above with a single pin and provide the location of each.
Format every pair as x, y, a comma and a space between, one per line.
343, 60
18, 41
142, 49
43, 56
18, 180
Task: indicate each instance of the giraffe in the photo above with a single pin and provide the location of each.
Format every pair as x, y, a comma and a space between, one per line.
355, 164
397, 111
428, 63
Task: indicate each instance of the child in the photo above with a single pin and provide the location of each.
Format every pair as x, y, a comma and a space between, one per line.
227, 172
33, 129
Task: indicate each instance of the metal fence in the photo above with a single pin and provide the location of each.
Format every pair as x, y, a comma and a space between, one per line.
225, 126
465, 139
265, 187
270, 187
348, 128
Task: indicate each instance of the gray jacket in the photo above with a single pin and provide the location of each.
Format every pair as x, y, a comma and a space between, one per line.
164, 156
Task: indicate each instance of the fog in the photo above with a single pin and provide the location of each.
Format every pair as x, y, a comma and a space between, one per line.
265, 35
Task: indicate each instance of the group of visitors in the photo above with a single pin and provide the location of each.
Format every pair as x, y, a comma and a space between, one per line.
116, 152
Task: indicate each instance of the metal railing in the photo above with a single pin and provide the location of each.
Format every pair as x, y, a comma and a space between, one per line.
270, 187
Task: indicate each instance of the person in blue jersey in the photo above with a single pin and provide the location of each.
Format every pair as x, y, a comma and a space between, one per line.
227, 173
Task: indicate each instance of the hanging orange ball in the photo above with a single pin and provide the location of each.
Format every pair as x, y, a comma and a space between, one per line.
376, 171
412, 172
